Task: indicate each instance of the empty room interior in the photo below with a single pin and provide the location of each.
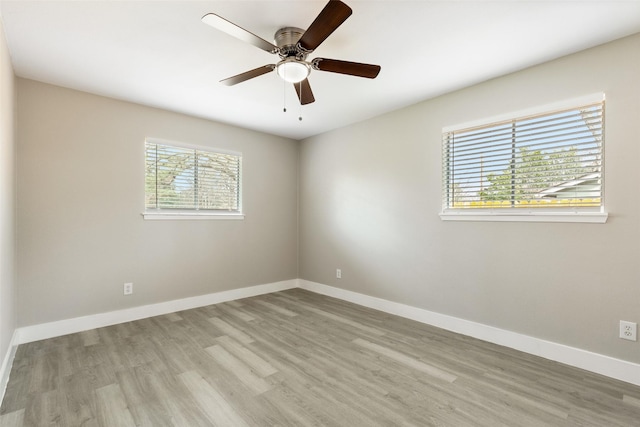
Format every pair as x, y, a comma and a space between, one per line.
411, 213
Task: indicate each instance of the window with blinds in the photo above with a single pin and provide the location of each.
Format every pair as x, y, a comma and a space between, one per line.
191, 179
551, 161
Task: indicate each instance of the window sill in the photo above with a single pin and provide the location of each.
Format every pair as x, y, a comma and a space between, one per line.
578, 217
191, 216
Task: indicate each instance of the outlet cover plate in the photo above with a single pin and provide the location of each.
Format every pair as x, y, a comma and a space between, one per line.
128, 288
628, 330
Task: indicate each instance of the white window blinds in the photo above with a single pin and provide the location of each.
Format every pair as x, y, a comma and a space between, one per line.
552, 160
189, 179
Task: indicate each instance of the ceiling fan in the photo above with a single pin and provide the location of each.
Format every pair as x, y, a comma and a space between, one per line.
293, 45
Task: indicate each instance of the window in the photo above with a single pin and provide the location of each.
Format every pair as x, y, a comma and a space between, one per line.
540, 167
189, 182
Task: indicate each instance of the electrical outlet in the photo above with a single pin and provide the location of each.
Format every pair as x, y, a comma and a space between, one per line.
338, 274
128, 288
628, 330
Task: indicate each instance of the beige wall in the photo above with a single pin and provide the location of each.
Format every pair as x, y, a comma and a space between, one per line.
8, 287
81, 193
370, 195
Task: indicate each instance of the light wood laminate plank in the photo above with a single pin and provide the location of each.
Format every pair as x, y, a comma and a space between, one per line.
112, 408
210, 401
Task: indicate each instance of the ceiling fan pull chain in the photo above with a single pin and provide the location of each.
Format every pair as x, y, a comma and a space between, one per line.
284, 96
300, 116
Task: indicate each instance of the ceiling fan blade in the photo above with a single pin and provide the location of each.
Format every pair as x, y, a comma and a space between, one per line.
230, 81
303, 89
330, 18
240, 33
345, 67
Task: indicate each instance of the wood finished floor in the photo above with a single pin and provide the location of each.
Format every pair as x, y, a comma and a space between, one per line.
295, 358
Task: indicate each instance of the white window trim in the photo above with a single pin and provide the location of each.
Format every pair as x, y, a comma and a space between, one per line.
192, 146
192, 216
165, 215
526, 215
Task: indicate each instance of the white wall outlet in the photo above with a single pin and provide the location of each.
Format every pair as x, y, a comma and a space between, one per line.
628, 330
338, 274
128, 288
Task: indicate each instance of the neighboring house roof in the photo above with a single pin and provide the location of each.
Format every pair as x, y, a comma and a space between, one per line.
571, 185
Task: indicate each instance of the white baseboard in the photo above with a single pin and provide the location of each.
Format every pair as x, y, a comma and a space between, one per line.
69, 326
7, 362
594, 362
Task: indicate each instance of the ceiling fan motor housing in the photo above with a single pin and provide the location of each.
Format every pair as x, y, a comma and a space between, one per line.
287, 41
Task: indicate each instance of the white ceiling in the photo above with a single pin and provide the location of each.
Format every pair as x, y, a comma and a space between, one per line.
159, 53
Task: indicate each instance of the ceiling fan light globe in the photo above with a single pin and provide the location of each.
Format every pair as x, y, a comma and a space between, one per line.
293, 71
